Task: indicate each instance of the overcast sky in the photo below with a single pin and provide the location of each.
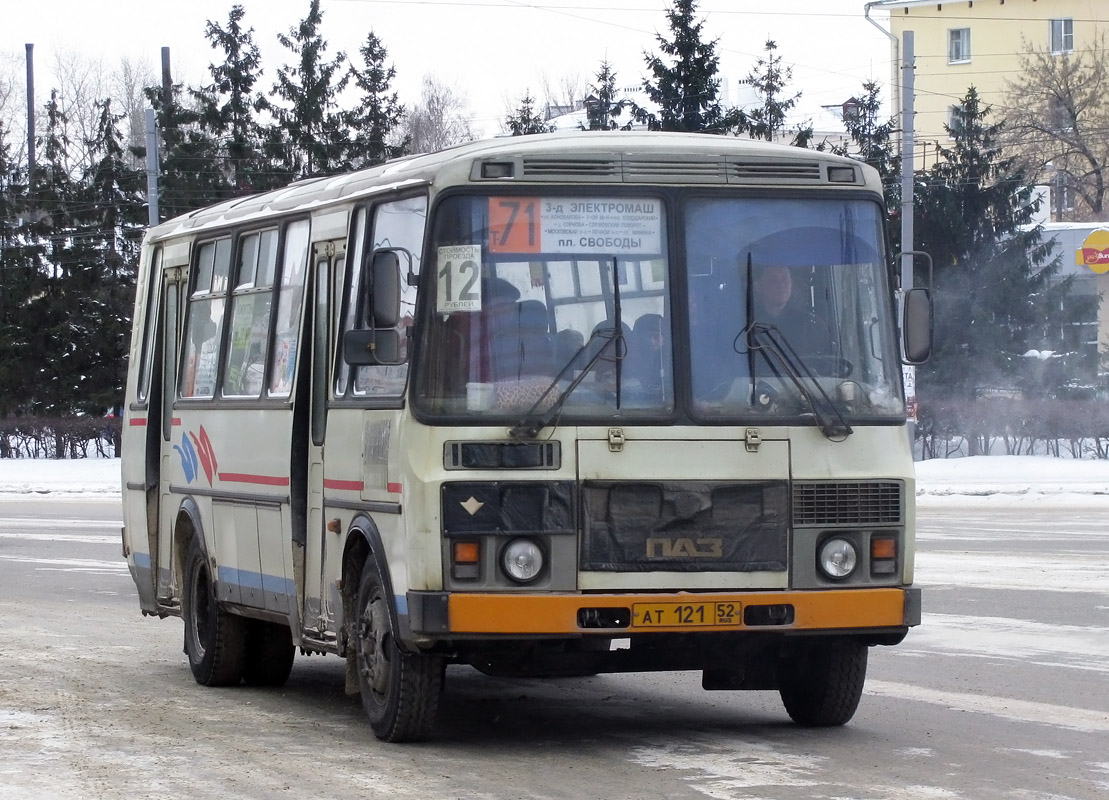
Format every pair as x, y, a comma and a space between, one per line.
491, 51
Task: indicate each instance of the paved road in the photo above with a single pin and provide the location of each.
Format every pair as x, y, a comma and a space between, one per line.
1002, 693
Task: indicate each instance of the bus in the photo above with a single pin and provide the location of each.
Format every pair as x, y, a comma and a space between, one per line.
516, 406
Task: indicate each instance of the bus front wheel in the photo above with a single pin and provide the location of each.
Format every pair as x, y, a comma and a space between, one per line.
215, 641
821, 684
400, 690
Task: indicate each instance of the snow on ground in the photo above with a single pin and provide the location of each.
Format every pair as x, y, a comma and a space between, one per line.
998, 479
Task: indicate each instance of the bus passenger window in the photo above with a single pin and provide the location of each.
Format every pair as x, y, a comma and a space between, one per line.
294, 267
251, 300
206, 319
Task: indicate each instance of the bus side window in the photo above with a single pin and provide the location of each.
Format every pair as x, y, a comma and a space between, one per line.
205, 324
294, 268
251, 299
397, 224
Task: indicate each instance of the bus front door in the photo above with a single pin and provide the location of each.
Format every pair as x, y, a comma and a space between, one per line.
319, 613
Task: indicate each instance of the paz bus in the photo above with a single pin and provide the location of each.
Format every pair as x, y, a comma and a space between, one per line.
515, 405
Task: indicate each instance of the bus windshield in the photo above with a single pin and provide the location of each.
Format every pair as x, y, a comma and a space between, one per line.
577, 306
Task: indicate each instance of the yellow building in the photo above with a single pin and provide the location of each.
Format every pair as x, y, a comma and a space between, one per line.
978, 43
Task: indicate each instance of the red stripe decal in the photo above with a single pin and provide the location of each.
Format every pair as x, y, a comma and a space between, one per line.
395, 488
264, 480
137, 422
175, 422
350, 486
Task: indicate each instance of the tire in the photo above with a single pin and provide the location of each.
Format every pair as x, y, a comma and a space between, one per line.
400, 691
215, 641
269, 654
821, 685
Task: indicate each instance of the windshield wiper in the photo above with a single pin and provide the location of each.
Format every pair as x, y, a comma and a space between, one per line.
781, 357
533, 422
780, 354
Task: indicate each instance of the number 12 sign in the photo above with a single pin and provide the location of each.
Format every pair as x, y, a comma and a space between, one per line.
458, 268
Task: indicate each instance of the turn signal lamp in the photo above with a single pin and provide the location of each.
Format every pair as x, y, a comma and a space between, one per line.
883, 555
466, 560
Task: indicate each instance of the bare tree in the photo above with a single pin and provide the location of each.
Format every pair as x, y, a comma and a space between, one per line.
560, 96
13, 105
127, 84
1057, 115
440, 119
81, 83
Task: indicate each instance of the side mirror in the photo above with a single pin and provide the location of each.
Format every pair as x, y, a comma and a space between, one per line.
916, 326
381, 278
372, 347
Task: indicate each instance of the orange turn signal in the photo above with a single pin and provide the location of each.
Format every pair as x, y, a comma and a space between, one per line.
466, 552
883, 548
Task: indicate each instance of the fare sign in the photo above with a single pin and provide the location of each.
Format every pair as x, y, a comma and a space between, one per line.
594, 225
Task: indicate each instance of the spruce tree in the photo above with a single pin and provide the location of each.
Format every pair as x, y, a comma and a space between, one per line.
601, 107
50, 207
873, 140
686, 88
770, 81
21, 277
525, 119
98, 286
995, 290
229, 106
310, 137
190, 169
379, 114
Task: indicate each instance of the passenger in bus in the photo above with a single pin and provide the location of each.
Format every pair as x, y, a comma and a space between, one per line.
645, 357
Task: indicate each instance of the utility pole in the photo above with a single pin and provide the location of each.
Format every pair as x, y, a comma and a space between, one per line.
30, 111
151, 168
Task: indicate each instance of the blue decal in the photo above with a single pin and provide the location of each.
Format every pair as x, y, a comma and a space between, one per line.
188, 457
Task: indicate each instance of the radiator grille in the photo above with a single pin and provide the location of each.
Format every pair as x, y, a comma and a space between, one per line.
848, 503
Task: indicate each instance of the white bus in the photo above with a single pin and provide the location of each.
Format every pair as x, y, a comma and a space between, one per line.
518, 405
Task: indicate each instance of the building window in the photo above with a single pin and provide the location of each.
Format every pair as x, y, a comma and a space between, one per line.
958, 45
955, 116
1062, 35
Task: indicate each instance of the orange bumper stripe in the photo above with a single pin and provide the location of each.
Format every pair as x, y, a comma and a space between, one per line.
558, 613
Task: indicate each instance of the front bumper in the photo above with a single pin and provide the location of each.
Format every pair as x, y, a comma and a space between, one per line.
440, 614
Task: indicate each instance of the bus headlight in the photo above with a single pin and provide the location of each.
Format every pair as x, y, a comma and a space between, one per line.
838, 558
522, 560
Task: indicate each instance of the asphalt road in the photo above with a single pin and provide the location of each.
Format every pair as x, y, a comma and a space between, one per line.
1003, 692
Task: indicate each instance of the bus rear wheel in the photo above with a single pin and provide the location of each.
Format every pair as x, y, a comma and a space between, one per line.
400, 690
215, 641
821, 684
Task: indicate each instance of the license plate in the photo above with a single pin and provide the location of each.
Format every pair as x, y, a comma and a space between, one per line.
684, 615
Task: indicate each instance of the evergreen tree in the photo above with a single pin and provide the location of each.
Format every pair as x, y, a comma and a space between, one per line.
873, 141
229, 107
525, 119
190, 169
98, 285
601, 107
379, 114
21, 277
310, 137
51, 204
996, 296
770, 81
686, 88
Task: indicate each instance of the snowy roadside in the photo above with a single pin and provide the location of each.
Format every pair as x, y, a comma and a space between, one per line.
992, 479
